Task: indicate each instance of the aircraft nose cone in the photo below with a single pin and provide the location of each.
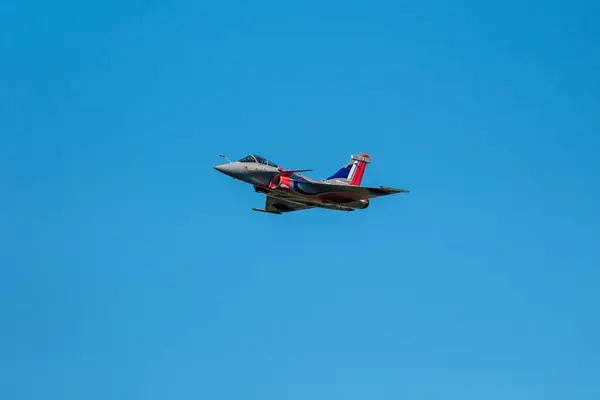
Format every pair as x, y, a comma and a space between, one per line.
226, 169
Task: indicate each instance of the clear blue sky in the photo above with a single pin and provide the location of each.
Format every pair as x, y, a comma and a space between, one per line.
130, 269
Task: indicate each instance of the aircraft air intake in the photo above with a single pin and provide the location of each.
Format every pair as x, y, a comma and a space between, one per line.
281, 182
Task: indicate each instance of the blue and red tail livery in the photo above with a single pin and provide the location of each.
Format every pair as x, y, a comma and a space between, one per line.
353, 172
287, 190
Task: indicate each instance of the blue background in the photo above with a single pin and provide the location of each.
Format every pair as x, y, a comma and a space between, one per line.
129, 268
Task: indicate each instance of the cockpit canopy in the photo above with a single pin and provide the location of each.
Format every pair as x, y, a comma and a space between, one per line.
253, 158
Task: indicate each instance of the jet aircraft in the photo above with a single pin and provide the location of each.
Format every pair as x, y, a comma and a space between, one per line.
287, 190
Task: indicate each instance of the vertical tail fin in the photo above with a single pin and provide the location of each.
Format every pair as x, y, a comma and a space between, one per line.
360, 166
353, 171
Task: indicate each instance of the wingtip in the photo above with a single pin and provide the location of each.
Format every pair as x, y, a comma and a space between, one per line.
394, 190
265, 211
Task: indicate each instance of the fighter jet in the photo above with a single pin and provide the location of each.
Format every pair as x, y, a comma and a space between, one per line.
287, 190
